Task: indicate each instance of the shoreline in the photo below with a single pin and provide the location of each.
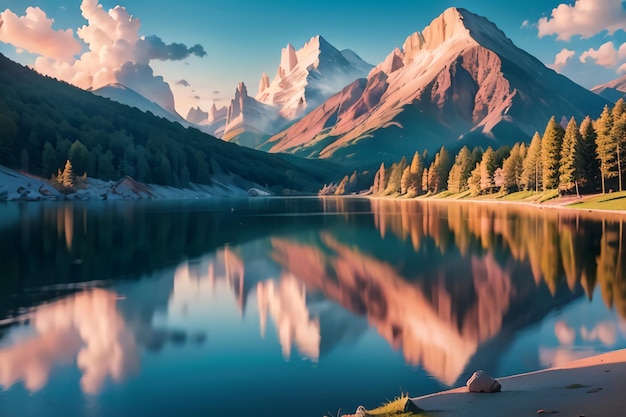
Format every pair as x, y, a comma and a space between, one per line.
556, 204
592, 387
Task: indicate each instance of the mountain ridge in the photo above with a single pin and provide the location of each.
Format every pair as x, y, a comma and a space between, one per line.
444, 87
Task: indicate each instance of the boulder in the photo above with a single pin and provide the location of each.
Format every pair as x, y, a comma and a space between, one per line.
480, 381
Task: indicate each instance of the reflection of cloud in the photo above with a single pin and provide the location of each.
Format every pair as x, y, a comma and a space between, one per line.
87, 326
556, 357
565, 334
286, 303
605, 332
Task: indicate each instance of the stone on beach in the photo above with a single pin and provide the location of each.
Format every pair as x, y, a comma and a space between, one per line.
480, 381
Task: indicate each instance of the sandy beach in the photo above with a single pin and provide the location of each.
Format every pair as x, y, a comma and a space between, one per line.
591, 387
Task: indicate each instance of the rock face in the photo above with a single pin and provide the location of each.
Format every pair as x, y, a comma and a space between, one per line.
304, 79
480, 381
613, 90
310, 75
459, 81
197, 116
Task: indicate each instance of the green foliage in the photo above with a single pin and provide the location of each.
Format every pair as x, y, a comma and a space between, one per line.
460, 171
589, 164
53, 122
551, 144
571, 163
606, 146
513, 167
487, 169
533, 168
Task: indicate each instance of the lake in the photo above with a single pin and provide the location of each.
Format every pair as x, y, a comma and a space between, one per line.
293, 307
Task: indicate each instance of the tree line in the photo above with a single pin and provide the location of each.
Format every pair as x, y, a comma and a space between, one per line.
44, 123
569, 157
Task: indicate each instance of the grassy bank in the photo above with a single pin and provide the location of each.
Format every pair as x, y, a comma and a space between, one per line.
611, 201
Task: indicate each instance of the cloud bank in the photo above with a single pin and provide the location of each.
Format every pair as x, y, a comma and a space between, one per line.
585, 18
115, 53
606, 55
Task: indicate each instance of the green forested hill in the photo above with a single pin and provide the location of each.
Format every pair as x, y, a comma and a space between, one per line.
44, 122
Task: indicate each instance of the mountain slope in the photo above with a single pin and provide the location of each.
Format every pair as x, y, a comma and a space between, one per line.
45, 122
613, 90
304, 79
125, 95
459, 81
308, 76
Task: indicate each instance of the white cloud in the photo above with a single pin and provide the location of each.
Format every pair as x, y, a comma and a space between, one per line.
622, 69
560, 60
116, 53
585, 18
33, 32
525, 24
606, 55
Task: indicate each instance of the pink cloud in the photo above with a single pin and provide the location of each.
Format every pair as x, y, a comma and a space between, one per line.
33, 32
606, 55
585, 18
116, 53
560, 60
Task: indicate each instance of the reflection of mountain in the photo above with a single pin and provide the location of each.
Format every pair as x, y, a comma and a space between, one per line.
439, 323
285, 301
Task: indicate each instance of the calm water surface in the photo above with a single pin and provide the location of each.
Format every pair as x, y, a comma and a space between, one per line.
292, 307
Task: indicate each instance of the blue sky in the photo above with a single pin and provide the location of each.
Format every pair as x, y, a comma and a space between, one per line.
242, 39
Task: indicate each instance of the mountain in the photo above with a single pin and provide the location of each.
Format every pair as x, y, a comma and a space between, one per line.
459, 81
613, 90
45, 122
308, 76
122, 94
304, 79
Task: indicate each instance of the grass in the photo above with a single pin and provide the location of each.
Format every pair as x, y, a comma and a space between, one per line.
396, 408
611, 201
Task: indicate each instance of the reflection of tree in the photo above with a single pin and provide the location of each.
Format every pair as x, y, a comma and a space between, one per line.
558, 245
439, 322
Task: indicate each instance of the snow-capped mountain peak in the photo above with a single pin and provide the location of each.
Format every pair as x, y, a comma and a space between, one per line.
308, 76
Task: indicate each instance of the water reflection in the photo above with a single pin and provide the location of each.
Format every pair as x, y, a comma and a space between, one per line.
448, 288
85, 328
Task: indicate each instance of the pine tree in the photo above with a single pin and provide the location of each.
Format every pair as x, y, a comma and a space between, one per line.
460, 171
414, 186
570, 165
425, 181
474, 180
533, 168
512, 168
605, 146
487, 169
551, 144
438, 178
395, 177
79, 156
619, 136
589, 164
341, 188
404, 182
67, 176
379, 180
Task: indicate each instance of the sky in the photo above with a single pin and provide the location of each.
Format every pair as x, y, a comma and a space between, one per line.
193, 53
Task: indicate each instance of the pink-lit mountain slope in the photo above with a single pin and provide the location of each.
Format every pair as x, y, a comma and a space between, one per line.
613, 90
305, 78
459, 81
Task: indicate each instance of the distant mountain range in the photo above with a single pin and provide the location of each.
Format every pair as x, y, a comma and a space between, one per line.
459, 81
122, 94
305, 78
613, 90
44, 123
